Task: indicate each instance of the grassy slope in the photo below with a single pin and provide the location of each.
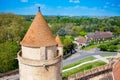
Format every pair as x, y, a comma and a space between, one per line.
78, 62
83, 68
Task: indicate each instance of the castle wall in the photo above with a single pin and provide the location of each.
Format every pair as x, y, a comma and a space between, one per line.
31, 69
60, 48
33, 53
51, 52
40, 73
41, 53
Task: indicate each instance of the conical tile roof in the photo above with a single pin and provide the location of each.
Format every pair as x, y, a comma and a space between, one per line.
39, 34
57, 39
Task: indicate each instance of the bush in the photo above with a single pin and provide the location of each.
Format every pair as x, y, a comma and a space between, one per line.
112, 48
103, 47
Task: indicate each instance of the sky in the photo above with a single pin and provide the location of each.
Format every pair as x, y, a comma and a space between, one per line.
62, 7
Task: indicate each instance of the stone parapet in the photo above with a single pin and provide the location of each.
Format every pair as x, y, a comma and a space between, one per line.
91, 73
38, 63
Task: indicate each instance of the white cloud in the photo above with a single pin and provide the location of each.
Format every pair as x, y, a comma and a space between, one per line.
80, 8
24, 0
74, 1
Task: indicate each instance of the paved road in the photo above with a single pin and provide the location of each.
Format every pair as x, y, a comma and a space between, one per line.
82, 54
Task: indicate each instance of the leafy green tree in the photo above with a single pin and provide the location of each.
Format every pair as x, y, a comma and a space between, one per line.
83, 33
61, 32
68, 45
8, 55
112, 48
103, 47
75, 30
12, 29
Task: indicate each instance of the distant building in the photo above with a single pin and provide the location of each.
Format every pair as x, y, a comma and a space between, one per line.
100, 35
95, 37
82, 41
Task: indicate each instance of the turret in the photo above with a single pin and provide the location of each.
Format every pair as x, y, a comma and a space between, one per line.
39, 59
59, 44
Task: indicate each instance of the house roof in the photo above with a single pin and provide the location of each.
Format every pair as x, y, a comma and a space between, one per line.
39, 34
100, 35
82, 40
57, 39
116, 71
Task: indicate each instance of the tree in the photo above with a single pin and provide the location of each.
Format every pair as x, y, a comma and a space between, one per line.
55, 27
83, 33
61, 32
103, 47
75, 30
68, 45
12, 29
8, 53
112, 48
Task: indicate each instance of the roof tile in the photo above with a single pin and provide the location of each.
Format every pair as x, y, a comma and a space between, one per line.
57, 39
39, 34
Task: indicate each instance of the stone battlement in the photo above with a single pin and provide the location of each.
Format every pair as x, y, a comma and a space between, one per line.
91, 73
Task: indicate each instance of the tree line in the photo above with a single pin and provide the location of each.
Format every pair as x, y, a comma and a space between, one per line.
74, 25
12, 30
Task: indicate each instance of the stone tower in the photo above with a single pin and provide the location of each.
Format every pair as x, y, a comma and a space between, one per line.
39, 58
60, 45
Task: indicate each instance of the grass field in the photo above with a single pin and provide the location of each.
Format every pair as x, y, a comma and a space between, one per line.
78, 62
91, 46
83, 68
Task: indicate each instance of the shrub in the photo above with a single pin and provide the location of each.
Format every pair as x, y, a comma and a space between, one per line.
112, 48
103, 47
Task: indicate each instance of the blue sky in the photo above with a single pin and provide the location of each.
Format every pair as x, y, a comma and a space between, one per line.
63, 7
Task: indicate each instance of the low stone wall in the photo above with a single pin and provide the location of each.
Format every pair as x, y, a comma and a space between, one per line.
91, 73
13, 72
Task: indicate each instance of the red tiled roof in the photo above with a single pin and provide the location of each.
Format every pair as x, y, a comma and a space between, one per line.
116, 71
82, 40
57, 39
39, 34
100, 35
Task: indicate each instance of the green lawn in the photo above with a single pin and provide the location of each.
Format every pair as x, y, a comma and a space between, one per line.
83, 68
78, 62
91, 46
